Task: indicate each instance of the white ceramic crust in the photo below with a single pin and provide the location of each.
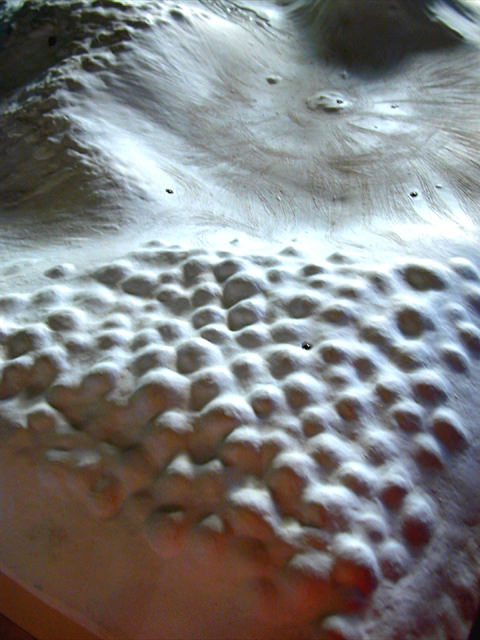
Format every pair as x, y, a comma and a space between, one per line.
240, 318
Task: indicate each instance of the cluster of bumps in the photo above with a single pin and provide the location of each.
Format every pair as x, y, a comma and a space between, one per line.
290, 411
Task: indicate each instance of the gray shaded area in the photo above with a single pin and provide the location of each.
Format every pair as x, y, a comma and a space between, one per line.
379, 34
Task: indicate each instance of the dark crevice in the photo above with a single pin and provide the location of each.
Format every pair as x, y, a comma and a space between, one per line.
475, 632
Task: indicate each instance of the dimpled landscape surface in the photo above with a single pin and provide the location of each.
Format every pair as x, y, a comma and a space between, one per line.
239, 374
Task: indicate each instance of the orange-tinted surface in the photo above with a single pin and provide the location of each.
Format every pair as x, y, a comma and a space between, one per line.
35, 616
10, 631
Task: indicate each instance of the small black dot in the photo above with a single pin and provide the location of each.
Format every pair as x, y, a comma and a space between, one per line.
339, 101
169, 190
52, 41
413, 194
306, 345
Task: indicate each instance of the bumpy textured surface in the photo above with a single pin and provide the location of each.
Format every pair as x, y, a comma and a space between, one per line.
296, 414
